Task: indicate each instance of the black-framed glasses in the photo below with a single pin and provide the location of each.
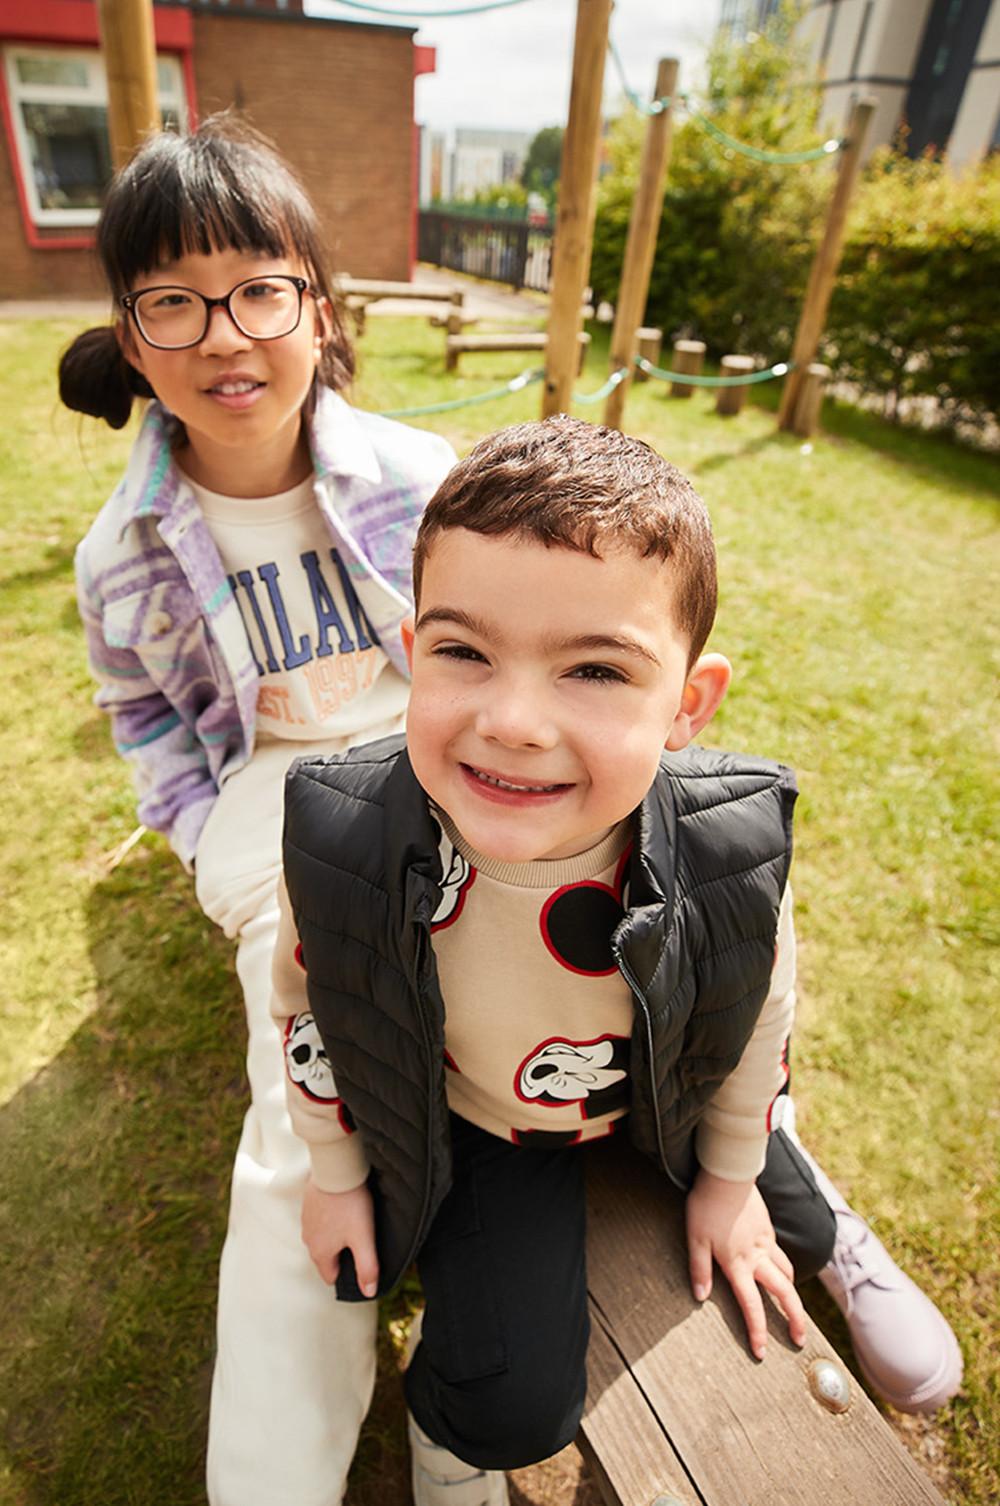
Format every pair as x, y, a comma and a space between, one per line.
173, 318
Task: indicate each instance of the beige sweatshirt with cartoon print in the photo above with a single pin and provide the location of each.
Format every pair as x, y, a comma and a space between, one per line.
538, 1017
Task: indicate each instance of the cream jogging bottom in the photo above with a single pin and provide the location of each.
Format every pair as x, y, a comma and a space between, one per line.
294, 1367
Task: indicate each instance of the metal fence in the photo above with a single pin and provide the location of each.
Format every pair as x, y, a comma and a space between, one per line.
501, 250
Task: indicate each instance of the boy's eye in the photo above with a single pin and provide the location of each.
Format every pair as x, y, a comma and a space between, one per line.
599, 674
460, 651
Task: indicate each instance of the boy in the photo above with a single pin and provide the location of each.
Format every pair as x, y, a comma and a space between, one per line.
606, 923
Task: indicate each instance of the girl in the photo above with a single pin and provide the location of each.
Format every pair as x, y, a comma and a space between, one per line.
242, 593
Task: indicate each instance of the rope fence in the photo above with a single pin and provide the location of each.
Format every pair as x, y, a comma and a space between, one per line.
756, 153
769, 374
614, 380
516, 384
528, 378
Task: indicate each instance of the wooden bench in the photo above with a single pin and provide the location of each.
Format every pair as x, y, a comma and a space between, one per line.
359, 292
679, 1413
457, 345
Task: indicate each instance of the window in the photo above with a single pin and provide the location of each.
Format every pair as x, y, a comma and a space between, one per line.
59, 103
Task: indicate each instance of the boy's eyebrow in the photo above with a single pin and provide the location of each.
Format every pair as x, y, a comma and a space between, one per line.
455, 615
622, 643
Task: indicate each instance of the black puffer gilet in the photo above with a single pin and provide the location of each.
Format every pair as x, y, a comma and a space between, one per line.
710, 862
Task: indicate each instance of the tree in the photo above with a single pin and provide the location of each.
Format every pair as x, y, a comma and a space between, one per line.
540, 173
736, 236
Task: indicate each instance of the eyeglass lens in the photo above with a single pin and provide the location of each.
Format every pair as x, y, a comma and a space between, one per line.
264, 308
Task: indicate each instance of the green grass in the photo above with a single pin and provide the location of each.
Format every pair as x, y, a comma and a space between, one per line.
859, 608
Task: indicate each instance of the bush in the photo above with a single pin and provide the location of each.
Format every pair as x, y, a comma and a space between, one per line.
917, 304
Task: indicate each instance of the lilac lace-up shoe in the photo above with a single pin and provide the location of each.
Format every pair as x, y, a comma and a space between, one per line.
905, 1349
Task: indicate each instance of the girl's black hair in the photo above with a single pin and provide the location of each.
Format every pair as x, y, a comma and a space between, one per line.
223, 186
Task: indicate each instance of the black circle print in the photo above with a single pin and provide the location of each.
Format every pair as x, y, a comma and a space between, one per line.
577, 924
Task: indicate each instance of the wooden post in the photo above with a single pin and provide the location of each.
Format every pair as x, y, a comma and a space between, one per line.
805, 419
689, 358
574, 213
455, 320
129, 47
731, 399
643, 225
825, 263
650, 344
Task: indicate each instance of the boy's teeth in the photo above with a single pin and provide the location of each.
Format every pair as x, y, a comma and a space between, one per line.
504, 784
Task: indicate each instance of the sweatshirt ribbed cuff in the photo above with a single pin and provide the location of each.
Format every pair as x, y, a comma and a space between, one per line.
340, 1166
731, 1157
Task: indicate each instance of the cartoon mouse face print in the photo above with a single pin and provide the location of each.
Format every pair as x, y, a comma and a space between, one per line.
306, 1060
591, 1073
457, 878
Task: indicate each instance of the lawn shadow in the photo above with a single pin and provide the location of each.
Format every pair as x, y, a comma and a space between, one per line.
117, 1158
932, 453
745, 452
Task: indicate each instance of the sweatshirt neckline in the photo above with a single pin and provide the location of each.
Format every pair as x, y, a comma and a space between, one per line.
544, 873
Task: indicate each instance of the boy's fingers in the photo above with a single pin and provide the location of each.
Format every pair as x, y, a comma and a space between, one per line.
783, 1263
365, 1266
781, 1287
700, 1267
752, 1307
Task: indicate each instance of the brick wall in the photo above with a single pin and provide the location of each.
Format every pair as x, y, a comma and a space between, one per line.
338, 102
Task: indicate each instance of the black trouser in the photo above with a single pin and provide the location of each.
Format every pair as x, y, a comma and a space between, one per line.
499, 1376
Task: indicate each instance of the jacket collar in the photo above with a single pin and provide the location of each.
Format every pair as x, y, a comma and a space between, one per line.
651, 879
153, 485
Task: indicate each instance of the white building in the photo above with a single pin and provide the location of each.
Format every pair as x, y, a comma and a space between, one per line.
456, 167
932, 65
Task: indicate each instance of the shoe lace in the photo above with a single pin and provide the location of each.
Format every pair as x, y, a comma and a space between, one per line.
855, 1254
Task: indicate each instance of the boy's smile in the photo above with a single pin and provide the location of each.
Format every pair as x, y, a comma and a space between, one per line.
546, 683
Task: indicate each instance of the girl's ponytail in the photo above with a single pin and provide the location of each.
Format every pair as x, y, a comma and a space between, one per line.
95, 378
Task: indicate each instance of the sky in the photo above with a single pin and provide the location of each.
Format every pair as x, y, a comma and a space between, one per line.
510, 69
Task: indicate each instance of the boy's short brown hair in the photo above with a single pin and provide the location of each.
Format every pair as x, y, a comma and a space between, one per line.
577, 485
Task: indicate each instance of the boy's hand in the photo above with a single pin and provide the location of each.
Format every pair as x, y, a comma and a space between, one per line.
335, 1221
728, 1220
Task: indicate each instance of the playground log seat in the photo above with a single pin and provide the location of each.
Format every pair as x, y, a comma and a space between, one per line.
359, 292
678, 1411
457, 345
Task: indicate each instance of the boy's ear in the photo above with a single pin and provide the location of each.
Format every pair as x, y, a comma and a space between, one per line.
407, 630
703, 694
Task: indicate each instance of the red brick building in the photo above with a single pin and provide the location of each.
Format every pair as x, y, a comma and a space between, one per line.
336, 97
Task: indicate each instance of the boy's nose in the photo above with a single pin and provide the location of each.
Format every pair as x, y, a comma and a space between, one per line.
516, 719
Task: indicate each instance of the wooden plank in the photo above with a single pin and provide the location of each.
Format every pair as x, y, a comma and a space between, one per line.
746, 1432
372, 289
626, 1450
525, 340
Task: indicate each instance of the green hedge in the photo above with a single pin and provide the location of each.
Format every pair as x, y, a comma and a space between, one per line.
916, 312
